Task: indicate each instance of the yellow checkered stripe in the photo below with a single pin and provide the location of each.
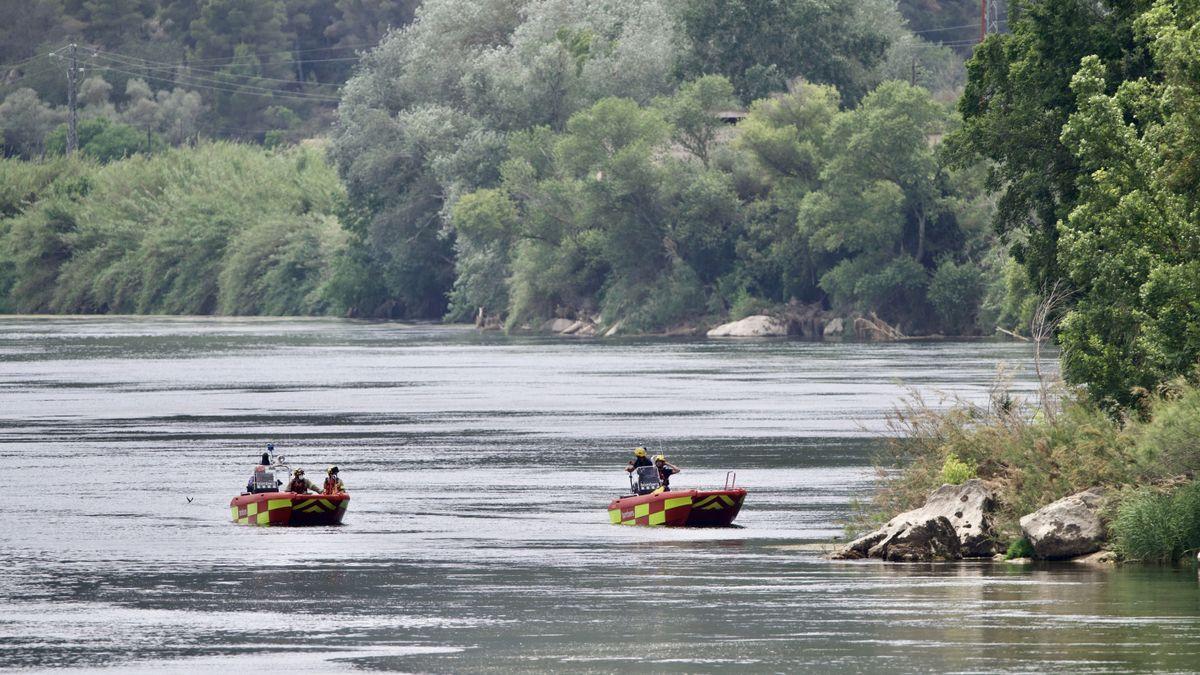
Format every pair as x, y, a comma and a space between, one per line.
649, 513
319, 506
256, 514
713, 503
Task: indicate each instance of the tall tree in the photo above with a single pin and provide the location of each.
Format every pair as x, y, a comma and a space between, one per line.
1016, 101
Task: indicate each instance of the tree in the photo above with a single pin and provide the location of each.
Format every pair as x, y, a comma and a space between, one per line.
760, 45
1131, 245
1016, 101
25, 121
693, 113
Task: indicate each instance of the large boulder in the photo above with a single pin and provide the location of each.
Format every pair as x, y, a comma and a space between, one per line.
759, 325
1069, 527
955, 522
556, 325
835, 328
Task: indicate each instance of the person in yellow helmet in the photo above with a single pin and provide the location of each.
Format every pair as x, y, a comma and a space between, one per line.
639, 459
665, 471
301, 485
333, 484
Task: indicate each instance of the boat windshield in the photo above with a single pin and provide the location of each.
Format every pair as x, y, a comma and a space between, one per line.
263, 481
644, 480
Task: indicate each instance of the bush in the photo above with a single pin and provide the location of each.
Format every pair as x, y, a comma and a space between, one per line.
1021, 548
955, 292
1156, 526
955, 471
217, 228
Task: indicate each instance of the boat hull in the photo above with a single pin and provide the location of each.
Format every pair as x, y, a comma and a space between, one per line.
288, 509
686, 508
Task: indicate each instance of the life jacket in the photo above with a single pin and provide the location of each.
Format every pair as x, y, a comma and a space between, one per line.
333, 485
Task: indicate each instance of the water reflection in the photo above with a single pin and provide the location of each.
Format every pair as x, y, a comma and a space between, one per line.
457, 554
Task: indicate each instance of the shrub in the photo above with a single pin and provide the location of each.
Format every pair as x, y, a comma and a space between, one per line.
955, 471
1021, 548
1156, 526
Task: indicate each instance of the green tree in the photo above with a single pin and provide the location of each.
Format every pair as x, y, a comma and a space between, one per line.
1016, 101
1131, 245
25, 122
762, 44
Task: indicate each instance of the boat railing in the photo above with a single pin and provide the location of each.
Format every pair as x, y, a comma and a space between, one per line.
730, 479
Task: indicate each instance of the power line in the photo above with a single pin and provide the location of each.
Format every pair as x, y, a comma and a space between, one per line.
222, 60
182, 78
266, 93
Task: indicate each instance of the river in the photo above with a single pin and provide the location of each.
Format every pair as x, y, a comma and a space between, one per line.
477, 539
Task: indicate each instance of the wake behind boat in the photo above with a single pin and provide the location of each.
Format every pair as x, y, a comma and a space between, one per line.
651, 505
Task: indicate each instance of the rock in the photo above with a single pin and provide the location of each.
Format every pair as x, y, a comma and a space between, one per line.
1101, 558
573, 328
1020, 561
999, 557
586, 330
759, 325
835, 328
614, 329
1069, 527
963, 511
556, 325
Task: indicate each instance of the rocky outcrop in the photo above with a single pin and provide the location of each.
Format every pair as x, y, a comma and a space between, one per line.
556, 325
955, 522
835, 328
759, 325
1072, 526
907, 539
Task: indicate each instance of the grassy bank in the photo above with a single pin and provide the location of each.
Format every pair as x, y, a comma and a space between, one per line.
1033, 455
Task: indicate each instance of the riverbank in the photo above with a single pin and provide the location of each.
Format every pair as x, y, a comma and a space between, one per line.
1059, 480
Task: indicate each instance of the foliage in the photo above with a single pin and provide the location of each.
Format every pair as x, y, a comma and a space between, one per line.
762, 44
1015, 104
220, 228
955, 471
1019, 548
1034, 459
103, 140
1158, 526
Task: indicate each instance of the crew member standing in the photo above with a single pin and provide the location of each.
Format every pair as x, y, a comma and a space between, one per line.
333, 484
639, 460
665, 471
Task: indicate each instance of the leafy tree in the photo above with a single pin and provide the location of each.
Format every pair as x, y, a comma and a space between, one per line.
693, 113
25, 121
762, 44
1131, 245
1016, 101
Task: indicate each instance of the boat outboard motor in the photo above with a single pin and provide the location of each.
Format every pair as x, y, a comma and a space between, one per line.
644, 480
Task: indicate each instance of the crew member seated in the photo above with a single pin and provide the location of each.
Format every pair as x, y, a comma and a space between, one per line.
333, 484
301, 485
639, 459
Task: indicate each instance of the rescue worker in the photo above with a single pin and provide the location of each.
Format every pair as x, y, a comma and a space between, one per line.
665, 471
333, 484
301, 485
639, 459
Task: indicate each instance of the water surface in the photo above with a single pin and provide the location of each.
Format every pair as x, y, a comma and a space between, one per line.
477, 539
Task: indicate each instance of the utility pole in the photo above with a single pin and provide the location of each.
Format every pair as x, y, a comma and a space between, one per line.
73, 71
989, 18
72, 101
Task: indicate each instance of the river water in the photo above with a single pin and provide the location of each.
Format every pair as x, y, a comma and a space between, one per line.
477, 539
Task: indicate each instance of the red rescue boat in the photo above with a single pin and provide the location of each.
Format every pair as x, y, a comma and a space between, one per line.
652, 505
288, 508
263, 504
